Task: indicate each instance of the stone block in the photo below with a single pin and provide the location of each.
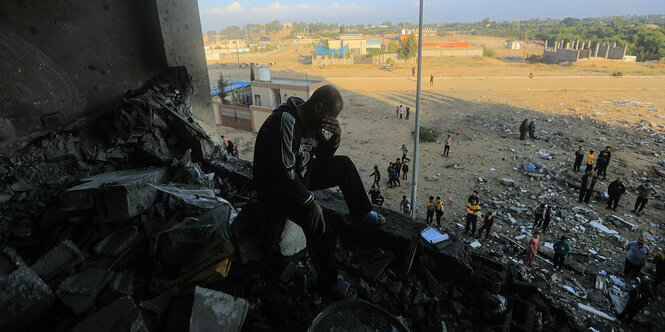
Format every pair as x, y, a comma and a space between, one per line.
59, 258
116, 195
24, 296
119, 241
217, 311
80, 292
121, 315
292, 240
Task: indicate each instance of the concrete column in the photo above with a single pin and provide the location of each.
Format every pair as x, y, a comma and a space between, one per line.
577, 44
545, 43
625, 48
607, 51
567, 45
180, 29
595, 53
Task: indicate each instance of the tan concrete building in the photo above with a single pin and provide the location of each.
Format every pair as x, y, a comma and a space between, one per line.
357, 45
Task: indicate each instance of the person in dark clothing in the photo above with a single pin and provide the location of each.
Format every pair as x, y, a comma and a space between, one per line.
431, 79
603, 161
615, 190
472, 210
391, 180
548, 218
524, 127
408, 112
405, 169
487, 225
375, 195
431, 206
579, 157
644, 191
395, 176
638, 298
377, 177
292, 158
561, 250
230, 148
532, 129
538, 215
473, 197
586, 188
398, 167
404, 152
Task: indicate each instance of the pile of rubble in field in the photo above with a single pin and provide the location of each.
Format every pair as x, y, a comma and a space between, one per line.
127, 225
594, 275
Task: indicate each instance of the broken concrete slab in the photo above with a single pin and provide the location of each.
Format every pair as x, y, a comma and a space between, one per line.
59, 258
116, 195
24, 296
121, 285
121, 315
293, 239
373, 270
213, 310
80, 292
119, 241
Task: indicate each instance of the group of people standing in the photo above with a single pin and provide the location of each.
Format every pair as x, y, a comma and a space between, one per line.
229, 147
615, 189
403, 113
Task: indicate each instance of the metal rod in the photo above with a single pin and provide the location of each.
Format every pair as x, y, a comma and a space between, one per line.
416, 132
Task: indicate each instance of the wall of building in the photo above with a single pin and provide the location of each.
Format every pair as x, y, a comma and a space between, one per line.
453, 51
64, 62
259, 116
559, 55
236, 117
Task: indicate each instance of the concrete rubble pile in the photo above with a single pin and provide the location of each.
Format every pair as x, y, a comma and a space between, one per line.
593, 275
127, 225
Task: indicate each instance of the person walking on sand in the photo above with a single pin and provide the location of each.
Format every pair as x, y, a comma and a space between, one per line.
404, 152
579, 157
532, 129
438, 209
615, 190
401, 113
391, 180
636, 257
431, 206
532, 249
375, 196
472, 210
603, 161
431, 79
644, 191
377, 177
538, 214
548, 218
524, 127
586, 187
446, 148
395, 176
487, 225
561, 250
398, 167
405, 169
413, 71
590, 159
397, 112
405, 205
408, 111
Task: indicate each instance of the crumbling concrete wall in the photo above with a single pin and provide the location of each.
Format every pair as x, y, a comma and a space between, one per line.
64, 62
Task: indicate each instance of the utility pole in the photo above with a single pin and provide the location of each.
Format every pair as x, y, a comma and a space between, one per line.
383, 45
524, 53
518, 23
416, 134
237, 54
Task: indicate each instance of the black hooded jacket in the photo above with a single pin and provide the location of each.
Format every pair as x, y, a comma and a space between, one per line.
283, 155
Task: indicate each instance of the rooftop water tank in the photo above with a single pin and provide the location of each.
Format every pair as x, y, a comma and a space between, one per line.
264, 74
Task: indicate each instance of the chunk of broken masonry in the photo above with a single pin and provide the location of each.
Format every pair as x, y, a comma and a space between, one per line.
59, 258
217, 311
116, 195
80, 292
121, 315
24, 297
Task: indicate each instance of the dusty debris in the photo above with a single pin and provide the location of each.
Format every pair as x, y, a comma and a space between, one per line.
213, 310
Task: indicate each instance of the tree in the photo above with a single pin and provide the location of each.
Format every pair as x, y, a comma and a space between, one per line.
409, 48
221, 85
211, 34
251, 71
486, 21
232, 32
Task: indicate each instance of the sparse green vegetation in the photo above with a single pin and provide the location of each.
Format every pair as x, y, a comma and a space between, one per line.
429, 134
488, 52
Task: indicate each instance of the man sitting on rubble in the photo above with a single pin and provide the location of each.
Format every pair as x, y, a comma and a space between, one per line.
293, 157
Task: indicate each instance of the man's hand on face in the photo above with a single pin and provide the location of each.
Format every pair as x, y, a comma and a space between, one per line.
331, 125
314, 216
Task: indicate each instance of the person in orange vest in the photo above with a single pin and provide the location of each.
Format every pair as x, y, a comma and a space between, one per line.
590, 159
472, 210
439, 210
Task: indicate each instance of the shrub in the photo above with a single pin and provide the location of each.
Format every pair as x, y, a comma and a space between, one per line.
389, 61
488, 52
429, 134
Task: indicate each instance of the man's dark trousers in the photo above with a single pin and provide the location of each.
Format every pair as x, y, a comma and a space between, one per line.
578, 163
613, 202
430, 216
585, 195
326, 173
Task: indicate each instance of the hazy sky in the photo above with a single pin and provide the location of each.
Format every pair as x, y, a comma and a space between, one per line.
217, 14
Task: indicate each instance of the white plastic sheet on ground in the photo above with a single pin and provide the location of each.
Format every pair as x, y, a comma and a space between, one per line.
194, 195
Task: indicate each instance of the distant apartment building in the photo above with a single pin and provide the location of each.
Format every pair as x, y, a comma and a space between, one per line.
261, 98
